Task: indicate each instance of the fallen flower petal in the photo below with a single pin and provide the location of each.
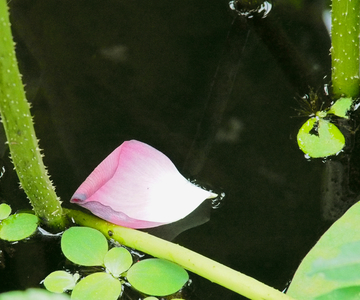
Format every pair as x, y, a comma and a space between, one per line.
137, 186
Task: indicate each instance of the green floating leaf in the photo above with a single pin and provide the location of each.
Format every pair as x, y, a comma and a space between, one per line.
18, 227
157, 277
345, 266
60, 281
32, 294
5, 211
97, 286
341, 107
118, 260
320, 138
84, 246
348, 293
333, 263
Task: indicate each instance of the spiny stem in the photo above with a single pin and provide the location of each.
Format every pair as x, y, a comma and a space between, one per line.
18, 125
190, 260
345, 48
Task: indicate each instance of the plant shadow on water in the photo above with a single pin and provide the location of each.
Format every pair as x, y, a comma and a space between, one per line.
100, 73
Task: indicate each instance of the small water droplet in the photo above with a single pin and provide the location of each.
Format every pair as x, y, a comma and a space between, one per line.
326, 89
2, 171
251, 9
218, 201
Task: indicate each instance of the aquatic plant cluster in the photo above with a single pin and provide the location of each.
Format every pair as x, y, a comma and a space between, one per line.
318, 137
88, 247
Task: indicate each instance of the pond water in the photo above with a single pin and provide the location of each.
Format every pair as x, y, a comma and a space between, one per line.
98, 73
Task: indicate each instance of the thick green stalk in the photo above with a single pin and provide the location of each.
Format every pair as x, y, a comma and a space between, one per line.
345, 48
18, 125
190, 260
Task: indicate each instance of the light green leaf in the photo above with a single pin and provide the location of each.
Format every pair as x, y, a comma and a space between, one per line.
97, 286
157, 277
18, 226
5, 211
333, 263
341, 107
60, 281
345, 266
348, 293
118, 260
84, 246
320, 138
32, 294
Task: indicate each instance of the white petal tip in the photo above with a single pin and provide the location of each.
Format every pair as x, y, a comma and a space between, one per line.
212, 196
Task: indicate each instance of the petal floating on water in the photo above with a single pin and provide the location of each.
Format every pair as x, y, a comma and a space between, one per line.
138, 186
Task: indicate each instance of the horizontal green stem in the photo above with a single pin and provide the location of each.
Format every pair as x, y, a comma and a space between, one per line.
345, 48
190, 260
20, 133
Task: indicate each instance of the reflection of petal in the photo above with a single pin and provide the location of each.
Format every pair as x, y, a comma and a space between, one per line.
138, 186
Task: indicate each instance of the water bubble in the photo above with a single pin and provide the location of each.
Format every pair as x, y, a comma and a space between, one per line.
251, 9
218, 201
326, 89
2, 171
356, 106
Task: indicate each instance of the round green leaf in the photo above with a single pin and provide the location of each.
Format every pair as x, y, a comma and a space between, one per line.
97, 286
32, 294
5, 211
341, 107
320, 138
60, 281
157, 277
84, 246
18, 226
151, 298
118, 260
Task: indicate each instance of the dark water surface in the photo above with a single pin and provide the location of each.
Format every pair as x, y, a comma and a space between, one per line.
101, 72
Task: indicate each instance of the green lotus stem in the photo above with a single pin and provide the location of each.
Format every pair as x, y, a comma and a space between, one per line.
345, 48
20, 133
190, 260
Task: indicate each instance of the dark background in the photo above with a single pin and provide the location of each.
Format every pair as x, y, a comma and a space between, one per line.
101, 72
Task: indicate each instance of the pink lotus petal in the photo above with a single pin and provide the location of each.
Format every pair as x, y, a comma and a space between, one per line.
137, 186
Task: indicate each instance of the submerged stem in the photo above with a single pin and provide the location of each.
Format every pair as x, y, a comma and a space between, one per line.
190, 260
20, 133
345, 48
